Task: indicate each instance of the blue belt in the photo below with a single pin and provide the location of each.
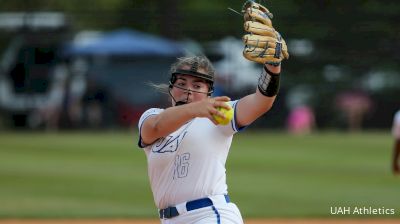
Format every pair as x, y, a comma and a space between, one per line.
171, 212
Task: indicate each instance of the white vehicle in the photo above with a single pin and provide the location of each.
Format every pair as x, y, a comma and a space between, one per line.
30, 73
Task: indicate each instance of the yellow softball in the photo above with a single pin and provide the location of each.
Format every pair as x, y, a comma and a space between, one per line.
228, 114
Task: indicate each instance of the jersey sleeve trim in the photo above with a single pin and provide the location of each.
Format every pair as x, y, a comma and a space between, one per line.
234, 124
140, 142
145, 116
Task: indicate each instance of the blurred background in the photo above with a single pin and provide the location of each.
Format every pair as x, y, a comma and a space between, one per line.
86, 64
68, 68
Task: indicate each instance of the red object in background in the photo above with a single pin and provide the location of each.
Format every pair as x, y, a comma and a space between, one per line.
129, 115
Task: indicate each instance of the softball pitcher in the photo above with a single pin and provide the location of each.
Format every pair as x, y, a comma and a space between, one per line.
185, 146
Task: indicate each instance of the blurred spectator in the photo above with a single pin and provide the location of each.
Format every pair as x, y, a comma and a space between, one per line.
73, 114
95, 105
49, 113
396, 151
301, 120
354, 105
76, 89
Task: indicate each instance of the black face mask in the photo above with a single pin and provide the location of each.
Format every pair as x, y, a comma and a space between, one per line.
189, 91
209, 78
193, 72
181, 102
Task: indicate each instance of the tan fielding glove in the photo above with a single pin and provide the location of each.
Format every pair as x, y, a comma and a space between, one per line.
263, 44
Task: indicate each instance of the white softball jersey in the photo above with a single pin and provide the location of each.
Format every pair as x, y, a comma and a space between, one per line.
189, 163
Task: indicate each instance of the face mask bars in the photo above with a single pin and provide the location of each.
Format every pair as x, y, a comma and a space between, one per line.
188, 91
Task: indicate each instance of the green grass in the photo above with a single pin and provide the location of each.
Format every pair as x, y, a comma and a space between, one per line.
94, 175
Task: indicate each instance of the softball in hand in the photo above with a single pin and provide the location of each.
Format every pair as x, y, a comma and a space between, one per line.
228, 116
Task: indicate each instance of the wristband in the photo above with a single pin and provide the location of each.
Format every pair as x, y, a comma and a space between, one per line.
268, 83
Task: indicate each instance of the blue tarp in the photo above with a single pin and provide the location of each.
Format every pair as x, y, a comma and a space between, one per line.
127, 43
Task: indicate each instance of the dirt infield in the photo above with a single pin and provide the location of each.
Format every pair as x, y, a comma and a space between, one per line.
251, 221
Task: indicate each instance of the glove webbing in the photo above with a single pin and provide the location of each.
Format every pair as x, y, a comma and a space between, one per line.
278, 51
268, 83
